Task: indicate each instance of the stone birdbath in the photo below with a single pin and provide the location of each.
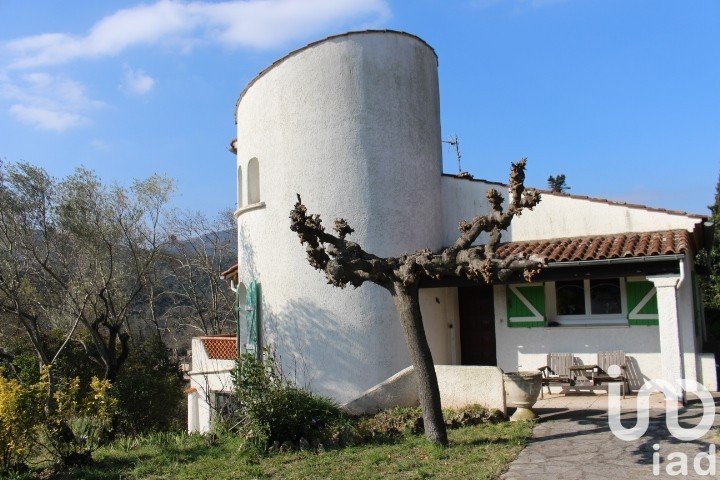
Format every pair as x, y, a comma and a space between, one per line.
522, 389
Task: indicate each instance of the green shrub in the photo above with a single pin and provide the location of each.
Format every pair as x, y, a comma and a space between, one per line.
273, 413
149, 392
272, 410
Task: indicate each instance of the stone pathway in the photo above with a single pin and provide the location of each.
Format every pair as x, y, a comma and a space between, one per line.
573, 441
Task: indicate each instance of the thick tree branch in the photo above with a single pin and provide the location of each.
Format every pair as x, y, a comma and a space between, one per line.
345, 262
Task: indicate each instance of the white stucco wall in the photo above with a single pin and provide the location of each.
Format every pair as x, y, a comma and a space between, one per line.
555, 216
352, 124
469, 384
561, 216
708, 371
459, 386
690, 341
462, 200
207, 376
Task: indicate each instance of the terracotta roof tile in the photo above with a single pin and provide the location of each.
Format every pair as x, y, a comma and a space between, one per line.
220, 348
230, 274
600, 247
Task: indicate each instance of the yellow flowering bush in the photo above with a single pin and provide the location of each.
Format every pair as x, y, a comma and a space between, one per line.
68, 424
80, 419
19, 415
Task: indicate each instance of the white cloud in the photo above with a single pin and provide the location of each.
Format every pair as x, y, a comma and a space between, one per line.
45, 118
249, 23
47, 102
137, 81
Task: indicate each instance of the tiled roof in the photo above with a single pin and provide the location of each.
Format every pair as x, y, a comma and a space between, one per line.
221, 347
589, 199
600, 247
230, 274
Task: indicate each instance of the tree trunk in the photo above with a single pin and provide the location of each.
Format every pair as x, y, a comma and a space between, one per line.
407, 304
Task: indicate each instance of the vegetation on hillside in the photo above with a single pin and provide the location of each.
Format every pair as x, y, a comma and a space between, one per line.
101, 285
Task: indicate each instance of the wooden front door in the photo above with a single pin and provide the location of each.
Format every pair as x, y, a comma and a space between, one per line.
477, 326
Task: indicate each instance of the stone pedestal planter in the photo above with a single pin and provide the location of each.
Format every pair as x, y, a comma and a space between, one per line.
522, 389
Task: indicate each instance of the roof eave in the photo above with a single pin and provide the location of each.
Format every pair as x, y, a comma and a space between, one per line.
608, 261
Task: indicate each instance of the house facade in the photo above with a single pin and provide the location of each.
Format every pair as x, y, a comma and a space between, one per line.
352, 123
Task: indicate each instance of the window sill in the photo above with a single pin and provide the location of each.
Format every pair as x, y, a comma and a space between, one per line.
247, 208
590, 325
591, 320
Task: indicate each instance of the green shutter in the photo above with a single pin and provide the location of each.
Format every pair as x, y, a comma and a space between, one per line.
252, 316
642, 303
239, 319
526, 305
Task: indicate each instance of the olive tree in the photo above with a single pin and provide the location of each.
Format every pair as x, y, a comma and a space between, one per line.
346, 263
75, 254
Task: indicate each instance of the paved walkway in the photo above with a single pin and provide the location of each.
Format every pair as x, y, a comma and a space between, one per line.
573, 441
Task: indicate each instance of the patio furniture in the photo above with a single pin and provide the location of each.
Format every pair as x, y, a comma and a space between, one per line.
604, 361
557, 370
583, 375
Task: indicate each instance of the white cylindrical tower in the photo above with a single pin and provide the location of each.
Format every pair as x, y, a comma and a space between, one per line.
352, 124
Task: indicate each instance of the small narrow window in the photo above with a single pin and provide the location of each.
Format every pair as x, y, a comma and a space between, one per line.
239, 187
253, 181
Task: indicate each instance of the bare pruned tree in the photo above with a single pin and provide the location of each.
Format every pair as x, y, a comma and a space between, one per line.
345, 263
190, 293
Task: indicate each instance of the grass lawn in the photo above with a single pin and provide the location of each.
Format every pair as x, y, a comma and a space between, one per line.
477, 452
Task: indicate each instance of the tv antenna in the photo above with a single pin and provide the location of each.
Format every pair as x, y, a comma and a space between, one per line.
454, 142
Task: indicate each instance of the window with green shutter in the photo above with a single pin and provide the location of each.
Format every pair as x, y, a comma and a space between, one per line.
526, 305
642, 303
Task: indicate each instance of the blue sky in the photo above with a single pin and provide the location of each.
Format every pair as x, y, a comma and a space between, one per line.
621, 96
